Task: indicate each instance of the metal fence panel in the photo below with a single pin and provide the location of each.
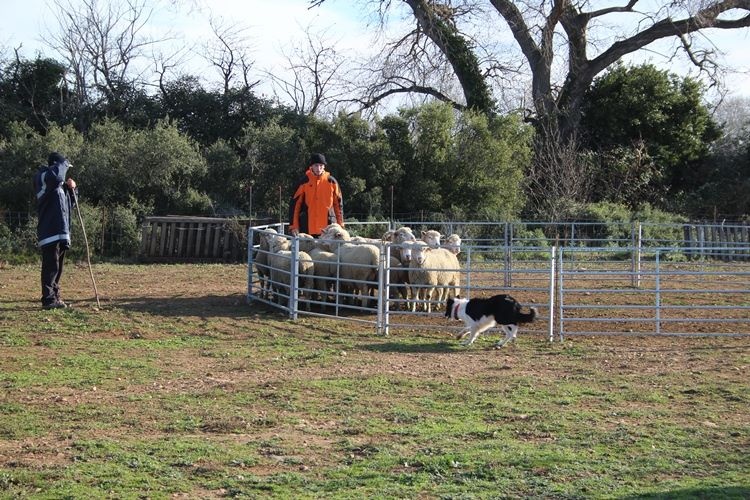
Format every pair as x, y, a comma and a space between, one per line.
598, 293
485, 270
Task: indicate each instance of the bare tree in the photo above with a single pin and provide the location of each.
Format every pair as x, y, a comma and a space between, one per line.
166, 65
229, 53
455, 52
559, 177
734, 116
564, 45
315, 84
101, 45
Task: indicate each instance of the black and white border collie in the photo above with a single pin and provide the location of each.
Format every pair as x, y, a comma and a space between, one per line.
480, 315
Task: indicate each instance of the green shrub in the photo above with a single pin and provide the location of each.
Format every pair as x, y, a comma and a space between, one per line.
124, 232
659, 228
92, 223
6, 239
19, 245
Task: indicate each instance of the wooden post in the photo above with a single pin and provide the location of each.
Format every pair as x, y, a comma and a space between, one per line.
181, 240
172, 238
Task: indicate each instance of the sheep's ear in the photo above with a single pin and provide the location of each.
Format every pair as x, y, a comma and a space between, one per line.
458, 296
424, 233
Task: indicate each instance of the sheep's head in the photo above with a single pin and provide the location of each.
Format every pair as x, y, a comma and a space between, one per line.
406, 252
403, 234
419, 251
278, 243
306, 242
453, 243
330, 227
432, 238
332, 235
266, 236
335, 233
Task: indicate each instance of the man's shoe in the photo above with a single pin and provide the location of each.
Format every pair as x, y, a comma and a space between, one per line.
55, 305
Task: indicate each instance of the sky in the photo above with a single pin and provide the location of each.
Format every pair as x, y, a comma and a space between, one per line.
271, 27
274, 26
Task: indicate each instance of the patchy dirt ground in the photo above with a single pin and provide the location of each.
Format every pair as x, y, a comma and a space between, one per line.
177, 290
297, 431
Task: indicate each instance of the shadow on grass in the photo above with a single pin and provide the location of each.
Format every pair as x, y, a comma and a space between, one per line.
234, 306
434, 347
730, 492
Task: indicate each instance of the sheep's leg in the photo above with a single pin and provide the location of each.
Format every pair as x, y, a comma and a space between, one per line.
403, 293
428, 301
364, 294
262, 285
310, 293
330, 289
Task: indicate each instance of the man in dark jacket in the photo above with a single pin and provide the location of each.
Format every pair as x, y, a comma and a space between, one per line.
317, 200
55, 201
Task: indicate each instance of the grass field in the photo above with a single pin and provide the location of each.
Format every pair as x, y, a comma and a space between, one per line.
176, 388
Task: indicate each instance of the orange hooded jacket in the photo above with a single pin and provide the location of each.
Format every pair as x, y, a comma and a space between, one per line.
316, 203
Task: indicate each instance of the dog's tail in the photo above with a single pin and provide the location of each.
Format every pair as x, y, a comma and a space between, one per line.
528, 317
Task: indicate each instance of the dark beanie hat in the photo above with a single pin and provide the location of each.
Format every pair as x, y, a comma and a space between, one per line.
55, 157
316, 158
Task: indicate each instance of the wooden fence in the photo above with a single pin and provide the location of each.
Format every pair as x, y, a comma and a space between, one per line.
724, 240
193, 239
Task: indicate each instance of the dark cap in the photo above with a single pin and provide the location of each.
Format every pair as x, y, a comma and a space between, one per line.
55, 157
316, 158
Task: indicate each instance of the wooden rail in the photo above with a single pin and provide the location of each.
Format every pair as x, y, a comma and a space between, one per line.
193, 239
723, 240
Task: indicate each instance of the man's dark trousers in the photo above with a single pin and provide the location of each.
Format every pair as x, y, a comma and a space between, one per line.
53, 256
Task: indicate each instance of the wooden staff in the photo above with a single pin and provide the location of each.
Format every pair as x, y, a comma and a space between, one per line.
88, 253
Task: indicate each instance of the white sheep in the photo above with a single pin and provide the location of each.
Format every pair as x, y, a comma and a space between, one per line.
332, 229
325, 269
432, 238
362, 239
306, 242
398, 278
430, 269
261, 262
358, 268
358, 263
404, 233
453, 244
398, 237
280, 263
332, 235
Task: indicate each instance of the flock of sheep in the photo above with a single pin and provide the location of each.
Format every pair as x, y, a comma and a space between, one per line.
338, 266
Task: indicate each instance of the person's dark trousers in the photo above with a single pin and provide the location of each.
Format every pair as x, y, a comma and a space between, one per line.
53, 256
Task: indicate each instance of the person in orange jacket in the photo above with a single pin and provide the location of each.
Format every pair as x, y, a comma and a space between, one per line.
317, 200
